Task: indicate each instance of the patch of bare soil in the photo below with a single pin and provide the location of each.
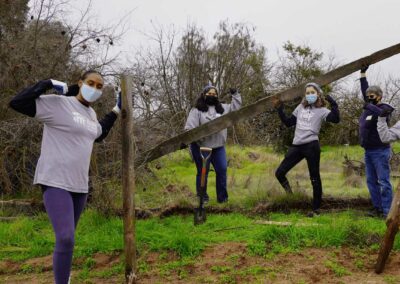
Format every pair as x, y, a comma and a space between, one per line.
231, 263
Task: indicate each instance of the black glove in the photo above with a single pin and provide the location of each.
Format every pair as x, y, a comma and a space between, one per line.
183, 146
386, 112
364, 68
330, 100
232, 91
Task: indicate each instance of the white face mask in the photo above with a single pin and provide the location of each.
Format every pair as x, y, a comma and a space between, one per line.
90, 94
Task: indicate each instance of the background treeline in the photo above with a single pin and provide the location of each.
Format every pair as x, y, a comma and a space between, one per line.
37, 42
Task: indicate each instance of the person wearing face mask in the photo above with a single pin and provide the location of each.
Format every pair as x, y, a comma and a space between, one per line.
307, 117
70, 128
377, 152
207, 108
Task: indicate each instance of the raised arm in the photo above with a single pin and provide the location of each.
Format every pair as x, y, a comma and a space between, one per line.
236, 99
334, 115
287, 120
107, 122
364, 83
25, 101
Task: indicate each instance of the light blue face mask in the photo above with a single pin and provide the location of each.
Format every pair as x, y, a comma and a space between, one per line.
90, 94
311, 98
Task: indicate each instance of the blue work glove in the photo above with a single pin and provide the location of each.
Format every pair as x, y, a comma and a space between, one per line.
60, 87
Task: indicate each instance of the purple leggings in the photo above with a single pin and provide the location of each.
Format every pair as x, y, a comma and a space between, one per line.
64, 209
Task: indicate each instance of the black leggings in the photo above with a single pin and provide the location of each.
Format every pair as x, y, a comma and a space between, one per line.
312, 153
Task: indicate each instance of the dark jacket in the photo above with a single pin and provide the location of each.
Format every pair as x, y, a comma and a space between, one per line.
369, 137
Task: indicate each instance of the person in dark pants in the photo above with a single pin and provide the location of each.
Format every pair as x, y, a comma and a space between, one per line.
377, 152
207, 108
307, 117
70, 128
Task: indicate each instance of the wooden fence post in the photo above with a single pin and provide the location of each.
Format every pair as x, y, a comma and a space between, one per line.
128, 180
392, 223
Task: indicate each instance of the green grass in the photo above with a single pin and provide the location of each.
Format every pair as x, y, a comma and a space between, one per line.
250, 180
27, 238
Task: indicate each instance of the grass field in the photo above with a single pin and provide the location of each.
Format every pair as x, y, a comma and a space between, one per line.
336, 247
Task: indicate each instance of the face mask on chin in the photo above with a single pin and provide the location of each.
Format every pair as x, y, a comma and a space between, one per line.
211, 100
90, 94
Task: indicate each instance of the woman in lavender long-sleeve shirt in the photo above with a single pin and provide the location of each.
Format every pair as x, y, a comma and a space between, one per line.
70, 129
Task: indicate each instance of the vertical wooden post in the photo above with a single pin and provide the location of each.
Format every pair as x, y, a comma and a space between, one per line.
392, 223
128, 180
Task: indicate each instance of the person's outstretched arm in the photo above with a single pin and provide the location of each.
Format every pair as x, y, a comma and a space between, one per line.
334, 115
387, 134
25, 101
364, 83
107, 122
236, 99
289, 121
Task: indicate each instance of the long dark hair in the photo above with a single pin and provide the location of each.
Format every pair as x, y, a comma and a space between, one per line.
73, 90
201, 102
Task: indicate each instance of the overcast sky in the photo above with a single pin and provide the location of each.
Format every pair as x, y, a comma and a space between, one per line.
347, 28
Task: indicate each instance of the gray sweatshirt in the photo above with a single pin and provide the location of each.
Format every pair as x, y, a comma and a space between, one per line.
387, 134
197, 118
308, 125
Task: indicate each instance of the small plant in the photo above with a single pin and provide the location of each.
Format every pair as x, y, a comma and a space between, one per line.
338, 269
227, 279
27, 268
390, 279
359, 264
221, 269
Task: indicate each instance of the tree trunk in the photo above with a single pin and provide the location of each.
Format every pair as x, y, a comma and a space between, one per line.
258, 107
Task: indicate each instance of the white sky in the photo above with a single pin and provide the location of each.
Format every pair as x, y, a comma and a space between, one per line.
347, 28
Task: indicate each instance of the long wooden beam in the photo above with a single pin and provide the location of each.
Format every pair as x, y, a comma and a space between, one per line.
173, 144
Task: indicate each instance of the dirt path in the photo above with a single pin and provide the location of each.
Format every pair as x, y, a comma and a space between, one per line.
226, 263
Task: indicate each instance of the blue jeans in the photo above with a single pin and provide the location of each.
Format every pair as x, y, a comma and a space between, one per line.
218, 160
378, 178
